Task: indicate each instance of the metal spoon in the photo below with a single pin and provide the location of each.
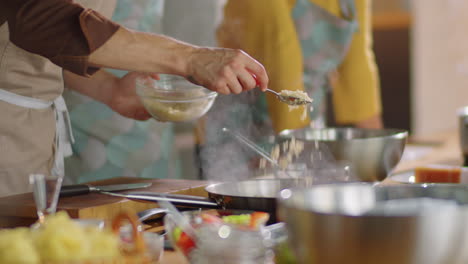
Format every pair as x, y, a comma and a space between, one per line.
252, 146
289, 99
256, 148
146, 214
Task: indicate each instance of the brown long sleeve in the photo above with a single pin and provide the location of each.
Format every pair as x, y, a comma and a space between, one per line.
60, 30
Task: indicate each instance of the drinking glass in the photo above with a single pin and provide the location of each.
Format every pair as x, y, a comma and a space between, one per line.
46, 191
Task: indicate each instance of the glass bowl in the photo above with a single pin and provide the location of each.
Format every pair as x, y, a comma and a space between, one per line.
226, 242
173, 98
154, 243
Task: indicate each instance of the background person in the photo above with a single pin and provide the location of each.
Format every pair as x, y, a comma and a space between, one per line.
317, 46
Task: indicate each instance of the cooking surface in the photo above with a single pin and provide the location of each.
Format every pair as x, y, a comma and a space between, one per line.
268, 188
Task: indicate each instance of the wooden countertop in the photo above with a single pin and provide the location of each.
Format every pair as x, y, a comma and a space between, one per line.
19, 210
446, 150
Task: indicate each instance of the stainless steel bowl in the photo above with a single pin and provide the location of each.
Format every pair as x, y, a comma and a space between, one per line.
332, 224
373, 154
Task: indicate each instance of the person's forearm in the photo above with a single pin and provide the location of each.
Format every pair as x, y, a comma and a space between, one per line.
144, 52
99, 86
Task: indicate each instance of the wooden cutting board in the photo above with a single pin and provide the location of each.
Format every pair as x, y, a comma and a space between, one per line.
20, 210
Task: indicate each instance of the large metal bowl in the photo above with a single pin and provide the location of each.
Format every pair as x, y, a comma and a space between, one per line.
332, 224
373, 154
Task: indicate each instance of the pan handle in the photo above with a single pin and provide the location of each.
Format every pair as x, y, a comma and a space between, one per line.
176, 199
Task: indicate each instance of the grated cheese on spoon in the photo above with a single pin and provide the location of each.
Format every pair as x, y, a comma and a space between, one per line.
301, 96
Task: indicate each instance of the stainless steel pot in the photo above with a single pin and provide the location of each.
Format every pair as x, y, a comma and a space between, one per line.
373, 154
334, 224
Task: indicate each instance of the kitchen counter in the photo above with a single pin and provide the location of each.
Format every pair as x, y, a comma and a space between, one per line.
441, 148
444, 149
19, 210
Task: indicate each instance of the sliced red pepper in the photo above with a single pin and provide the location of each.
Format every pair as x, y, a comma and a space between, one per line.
258, 218
185, 243
211, 219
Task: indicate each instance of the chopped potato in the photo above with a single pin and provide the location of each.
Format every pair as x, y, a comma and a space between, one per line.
17, 247
58, 240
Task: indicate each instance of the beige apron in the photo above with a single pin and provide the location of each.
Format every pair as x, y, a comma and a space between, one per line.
30, 106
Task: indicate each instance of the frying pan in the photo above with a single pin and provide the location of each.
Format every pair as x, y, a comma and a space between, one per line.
256, 195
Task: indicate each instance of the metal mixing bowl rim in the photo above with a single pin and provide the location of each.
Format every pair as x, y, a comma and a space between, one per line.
393, 133
209, 96
209, 188
285, 202
139, 82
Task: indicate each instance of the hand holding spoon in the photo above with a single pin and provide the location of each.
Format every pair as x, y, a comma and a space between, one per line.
289, 97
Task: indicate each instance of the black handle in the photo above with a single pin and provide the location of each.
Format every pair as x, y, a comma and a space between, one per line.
72, 190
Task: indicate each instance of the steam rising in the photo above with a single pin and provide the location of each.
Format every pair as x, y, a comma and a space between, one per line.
226, 159
223, 157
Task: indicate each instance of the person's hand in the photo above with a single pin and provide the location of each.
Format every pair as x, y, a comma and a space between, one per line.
226, 70
124, 99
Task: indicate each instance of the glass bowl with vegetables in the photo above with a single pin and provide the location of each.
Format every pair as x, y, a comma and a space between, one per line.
173, 98
230, 236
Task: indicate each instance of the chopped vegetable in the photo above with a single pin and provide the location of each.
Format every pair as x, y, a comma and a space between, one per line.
210, 218
242, 219
185, 243
258, 219
176, 233
58, 240
284, 254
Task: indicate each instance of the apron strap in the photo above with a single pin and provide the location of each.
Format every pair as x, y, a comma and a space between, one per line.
64, 136
23, 101
63, 131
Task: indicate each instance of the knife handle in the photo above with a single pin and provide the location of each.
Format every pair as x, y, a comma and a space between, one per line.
72, 190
